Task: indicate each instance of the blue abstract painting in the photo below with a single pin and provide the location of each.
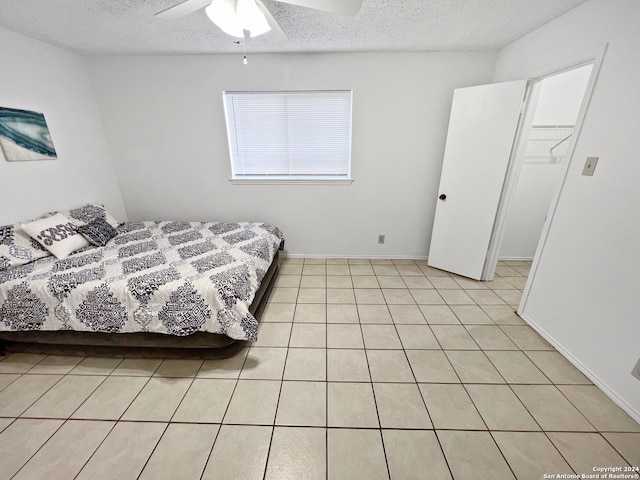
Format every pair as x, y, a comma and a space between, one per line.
24, 135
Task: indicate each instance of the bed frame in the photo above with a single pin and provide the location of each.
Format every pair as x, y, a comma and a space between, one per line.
137, 345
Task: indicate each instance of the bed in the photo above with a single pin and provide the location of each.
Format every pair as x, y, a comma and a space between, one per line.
143, 289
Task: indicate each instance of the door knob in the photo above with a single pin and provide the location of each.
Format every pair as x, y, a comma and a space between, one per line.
442, 197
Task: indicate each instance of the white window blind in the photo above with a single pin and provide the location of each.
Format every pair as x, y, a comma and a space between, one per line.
301, 135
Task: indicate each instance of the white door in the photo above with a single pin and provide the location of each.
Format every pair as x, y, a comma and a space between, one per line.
481, 133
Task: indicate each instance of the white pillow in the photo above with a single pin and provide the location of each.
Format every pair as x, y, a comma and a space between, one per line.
57, 234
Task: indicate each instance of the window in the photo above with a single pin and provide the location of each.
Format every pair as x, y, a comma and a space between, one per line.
276, 136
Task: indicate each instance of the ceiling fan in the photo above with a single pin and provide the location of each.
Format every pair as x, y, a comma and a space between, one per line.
235, 17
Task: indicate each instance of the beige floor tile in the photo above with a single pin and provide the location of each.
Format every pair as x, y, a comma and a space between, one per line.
342, 270
599, 409
400, 405
503, 315
389, 366
347, 366
381, 337
178, 367
431, 366
385, 269
229, 461
471, 315
290, 269
314, 269
306, 364
355, 454
7, 379
96, 366
342, 314
417, 337
284, 295
110, 400
181, 453
124, 452
19, 362
264, 363
315, 261
418, 283
433, 272
407, 314
291, 281
64, 397
340, 281
278, 312
584, 451
551, 409
56, 364
147, 406
308, 335
470, 284
361, 269
473, 366
302, 404
627, 444
253, 402
506, 271
500, 283
312, 295
22, 393
369, 296
224, 367
557, 368
414, 455
485, 297
473, 455
206, 401
391, 281
516, 367
510, 297
456, 297
490, 337
365, 281
340, 296
313, 281
454, 337
5, 422
531, 455
517, 282
137, 367
374, 314
423, 296
500, 408
450, 407
408, 269
344, 336
20, 440
526, 337
310, 313
273, 335
444, 283
439, 315
399, 296
297, 453
351, 405
55, 460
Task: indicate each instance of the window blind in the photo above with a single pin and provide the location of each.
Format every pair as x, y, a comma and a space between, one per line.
289, 135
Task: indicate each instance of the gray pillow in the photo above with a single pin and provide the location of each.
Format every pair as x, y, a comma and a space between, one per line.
98, 231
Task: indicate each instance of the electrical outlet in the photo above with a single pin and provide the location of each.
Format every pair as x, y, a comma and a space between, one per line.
590, 166
380, 239
636, 370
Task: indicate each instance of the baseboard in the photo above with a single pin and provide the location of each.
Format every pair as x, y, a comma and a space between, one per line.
356, 257
515, 259
635, 414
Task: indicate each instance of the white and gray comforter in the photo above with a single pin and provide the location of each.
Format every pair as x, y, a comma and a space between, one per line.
174, 278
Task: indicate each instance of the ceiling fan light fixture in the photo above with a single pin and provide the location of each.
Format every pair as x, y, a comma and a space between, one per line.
235, 16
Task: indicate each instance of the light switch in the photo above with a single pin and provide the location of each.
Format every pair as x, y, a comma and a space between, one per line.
590, 166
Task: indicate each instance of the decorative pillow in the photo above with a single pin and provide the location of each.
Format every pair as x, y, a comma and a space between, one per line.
18, 248
57, 234
98, 231
85, 214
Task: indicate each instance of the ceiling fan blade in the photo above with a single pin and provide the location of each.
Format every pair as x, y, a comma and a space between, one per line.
343, 7
276, 34
182, 9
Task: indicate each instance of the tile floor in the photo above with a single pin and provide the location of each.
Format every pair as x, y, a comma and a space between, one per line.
363, 370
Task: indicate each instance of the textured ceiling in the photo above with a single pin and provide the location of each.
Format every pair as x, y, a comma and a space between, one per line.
128, 27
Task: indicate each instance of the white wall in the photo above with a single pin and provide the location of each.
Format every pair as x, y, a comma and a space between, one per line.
558, 103
39, 77
165, 122
584, 293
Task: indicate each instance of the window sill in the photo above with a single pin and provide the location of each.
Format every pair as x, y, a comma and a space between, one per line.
266, 181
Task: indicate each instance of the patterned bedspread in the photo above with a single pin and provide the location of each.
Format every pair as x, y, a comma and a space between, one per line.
174, 278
